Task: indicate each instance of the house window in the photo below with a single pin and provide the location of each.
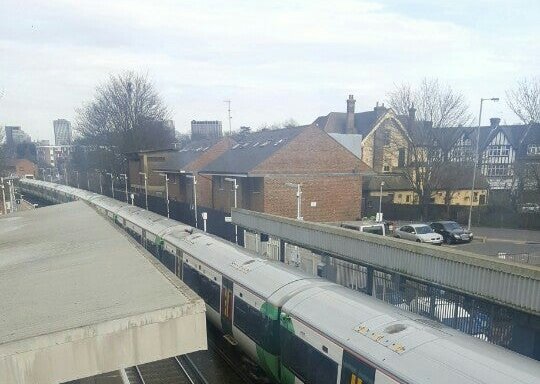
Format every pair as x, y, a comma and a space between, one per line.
387, 136
498, 170
407, 199
399, 196
533, 149
498, 150
401, 157
386, 168
220, 183
475, 197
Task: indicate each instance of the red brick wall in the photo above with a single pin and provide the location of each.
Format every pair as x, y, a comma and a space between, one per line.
312, 151
337, 198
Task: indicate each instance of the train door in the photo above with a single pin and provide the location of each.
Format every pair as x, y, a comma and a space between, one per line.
226, 305
178, 264
355, 371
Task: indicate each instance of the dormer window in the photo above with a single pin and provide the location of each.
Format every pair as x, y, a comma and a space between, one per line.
533, 149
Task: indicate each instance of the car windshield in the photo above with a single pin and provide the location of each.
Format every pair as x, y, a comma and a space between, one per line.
422, 230
452, 226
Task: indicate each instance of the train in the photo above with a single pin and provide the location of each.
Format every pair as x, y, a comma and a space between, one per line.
300, 328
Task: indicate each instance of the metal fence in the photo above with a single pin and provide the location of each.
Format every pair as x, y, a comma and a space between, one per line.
482, 319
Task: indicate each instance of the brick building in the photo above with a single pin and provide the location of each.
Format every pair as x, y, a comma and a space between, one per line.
146, 162
21, 167
262, 163
182, 168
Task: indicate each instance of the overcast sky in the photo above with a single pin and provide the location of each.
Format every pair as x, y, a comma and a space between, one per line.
274, 59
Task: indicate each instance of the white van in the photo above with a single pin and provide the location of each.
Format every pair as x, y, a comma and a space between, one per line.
368, 227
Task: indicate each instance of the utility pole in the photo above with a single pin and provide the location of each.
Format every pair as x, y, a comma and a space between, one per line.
126, 180
230, 118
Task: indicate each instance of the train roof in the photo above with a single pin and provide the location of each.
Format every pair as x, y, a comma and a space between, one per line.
261, 276
150, 221
109, 204
410, 346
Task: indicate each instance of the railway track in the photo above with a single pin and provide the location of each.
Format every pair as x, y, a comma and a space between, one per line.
176, 370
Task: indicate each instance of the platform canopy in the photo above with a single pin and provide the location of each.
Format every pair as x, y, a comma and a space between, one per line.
79, 298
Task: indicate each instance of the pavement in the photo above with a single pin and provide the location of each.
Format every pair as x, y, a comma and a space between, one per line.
517, 236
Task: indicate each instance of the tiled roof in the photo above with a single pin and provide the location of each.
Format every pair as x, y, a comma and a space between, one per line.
337, 122
177, 161
251, 150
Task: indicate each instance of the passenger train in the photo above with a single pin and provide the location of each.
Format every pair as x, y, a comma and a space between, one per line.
299, 328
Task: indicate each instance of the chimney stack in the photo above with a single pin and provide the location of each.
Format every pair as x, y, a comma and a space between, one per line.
350, 115
379, 109
494, 121
412, 113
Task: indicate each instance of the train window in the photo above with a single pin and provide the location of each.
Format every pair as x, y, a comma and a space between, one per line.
355, 371
305, 361
203, 286
256, 325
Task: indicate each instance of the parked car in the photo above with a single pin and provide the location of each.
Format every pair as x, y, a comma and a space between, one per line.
368, 227
530, 208
420, 233
452, 232
452, 315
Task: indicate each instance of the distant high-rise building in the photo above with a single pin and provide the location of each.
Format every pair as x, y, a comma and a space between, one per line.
206, 129
62, 132
15, 135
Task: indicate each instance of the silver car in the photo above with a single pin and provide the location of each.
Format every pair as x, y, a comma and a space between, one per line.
421, 233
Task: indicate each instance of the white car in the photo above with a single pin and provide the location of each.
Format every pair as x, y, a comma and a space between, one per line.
421, 233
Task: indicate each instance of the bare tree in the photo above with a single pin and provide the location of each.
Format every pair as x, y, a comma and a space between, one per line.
524, 99
126, 115
288, 123
434, 102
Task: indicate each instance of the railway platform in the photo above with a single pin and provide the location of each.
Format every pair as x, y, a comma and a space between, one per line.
80, 298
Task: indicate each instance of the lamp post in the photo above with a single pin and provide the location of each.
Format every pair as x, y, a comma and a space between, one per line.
42, 174
194, 198
235, 186
50, 174
100, 184
77, 173
3, 195
298, 199
380, 202
112, 183
166, 191
87, 180
125, 179
145, 188
477, 157
65, 176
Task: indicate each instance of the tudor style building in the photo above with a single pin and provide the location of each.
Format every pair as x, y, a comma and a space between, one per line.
385, 144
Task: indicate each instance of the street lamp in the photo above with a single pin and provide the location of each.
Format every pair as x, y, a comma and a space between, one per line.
477, 157
125, 179
145, 188
194, 198
3, 195
50, 174
380, 202
235, 185
42, 174
298, 199
100, 183
112, 183
77, 173
166, 191
88, 180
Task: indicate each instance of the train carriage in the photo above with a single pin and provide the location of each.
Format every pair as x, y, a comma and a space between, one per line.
347, 337
302, 329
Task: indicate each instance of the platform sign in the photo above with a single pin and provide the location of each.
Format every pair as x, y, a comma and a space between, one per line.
228, 219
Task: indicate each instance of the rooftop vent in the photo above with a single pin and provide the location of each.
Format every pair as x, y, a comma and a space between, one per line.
265, 143
235, 146
278, 142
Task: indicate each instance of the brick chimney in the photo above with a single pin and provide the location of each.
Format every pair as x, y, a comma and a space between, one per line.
379, 109
350, 115
494, 122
